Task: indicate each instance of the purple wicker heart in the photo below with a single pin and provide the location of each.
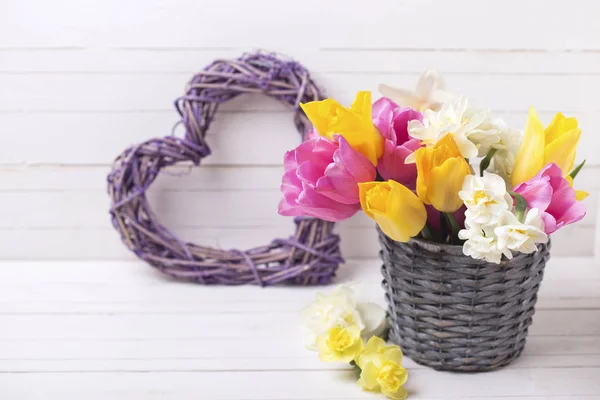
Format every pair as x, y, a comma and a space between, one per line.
311, 256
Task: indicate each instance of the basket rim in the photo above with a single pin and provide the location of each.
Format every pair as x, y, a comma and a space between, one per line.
457, 250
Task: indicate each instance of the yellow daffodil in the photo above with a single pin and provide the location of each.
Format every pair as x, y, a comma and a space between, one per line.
374, 349
355, 124
441, 170
340, 343
556, 144
396, 209
381, 369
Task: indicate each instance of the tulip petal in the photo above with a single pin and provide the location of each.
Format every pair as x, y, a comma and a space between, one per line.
363, 188
537, 193
446, 181
354, 162
320, 113
581, 195
362, 104
401, 118
405, 214
559, 125
392, 164
316, 205
562, 150
530, 158
423, 158
383, 114
550, 224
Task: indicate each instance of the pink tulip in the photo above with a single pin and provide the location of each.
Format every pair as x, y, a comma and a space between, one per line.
549, 192
321, 179
392, 122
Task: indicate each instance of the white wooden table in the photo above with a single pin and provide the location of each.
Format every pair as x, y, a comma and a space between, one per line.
119, 330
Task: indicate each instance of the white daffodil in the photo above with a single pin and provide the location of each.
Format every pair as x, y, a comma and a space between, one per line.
429, 93
520, 236
507, 148
485, 197
339, 308
480, 244
460, 120
488, 135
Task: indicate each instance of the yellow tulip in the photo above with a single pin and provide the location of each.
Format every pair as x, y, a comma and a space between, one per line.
556, 144
441, 170
396, 209
340, 343
580, 195
382, 370
355, 124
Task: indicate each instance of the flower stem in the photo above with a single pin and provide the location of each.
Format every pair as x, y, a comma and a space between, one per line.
426, 233
453, 225
486, 161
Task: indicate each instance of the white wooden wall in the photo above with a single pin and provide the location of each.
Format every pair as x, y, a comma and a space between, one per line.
81, 80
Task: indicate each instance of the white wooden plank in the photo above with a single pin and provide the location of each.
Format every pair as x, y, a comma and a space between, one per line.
134, 288
246, 354
223, 325
95, 60
156, 91
506, 383
255, 363
203, 352
235, 138
359, 24
104, 243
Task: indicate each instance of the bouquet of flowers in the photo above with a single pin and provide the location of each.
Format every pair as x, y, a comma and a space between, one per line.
427, 163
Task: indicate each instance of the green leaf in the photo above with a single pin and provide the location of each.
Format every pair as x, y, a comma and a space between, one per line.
520, 205
485, 163
574, 173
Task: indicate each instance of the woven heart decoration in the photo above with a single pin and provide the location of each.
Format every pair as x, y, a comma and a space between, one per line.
310, 256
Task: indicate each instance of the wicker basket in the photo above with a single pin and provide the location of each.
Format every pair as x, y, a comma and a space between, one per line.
451, 312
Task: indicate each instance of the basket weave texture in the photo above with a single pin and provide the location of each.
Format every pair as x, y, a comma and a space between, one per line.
451, 312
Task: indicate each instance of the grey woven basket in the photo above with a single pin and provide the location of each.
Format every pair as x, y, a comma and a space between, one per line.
451, 312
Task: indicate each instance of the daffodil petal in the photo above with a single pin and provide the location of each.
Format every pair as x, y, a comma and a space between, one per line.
400, 394
368, 376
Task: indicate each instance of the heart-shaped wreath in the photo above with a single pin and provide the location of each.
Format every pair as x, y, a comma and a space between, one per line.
311, 256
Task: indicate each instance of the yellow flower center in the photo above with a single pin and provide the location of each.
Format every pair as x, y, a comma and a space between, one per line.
339, 339
481, 195
389, 377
